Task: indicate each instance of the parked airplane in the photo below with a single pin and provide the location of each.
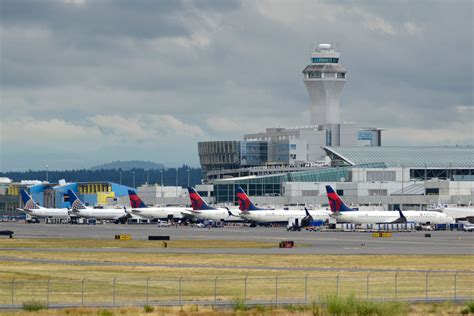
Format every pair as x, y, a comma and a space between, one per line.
456, 211
30, 207
343, 213
79, 209
203, 211
139, 208
260, 215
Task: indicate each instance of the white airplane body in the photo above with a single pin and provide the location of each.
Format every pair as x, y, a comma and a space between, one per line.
458, 212
377, 217
80, 210
216, 215
342, 213
140, 209
159, 212
31, 208
282, 216
100, 213
201, 210
265, 216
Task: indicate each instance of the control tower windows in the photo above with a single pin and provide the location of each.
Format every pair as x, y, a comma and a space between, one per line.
325, 60
341, 75
314, 74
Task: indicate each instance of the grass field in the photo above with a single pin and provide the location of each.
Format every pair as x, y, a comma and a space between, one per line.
94, 283
340, 308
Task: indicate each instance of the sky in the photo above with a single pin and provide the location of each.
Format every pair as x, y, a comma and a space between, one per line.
86, 82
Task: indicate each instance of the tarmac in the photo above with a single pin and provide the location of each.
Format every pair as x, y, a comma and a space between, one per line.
328, 243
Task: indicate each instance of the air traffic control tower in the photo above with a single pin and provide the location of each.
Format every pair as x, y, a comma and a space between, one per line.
324, 78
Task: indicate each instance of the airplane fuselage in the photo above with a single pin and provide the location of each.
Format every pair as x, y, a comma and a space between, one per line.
43, 212
159, 212
217, 215
282, 216
374, 217
101, 213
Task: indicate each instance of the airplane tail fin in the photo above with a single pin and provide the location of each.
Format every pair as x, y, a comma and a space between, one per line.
402, 218
135, 200
76, 204
197, 202
28, 202
245, 204
335, 202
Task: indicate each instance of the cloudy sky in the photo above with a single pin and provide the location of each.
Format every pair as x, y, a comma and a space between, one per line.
85, 82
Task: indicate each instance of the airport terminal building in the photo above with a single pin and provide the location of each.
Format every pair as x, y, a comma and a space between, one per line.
290, 166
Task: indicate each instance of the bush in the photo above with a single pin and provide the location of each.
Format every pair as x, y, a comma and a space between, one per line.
148, 309
33, 306
238, 304
105, 312
352, 306
470, 307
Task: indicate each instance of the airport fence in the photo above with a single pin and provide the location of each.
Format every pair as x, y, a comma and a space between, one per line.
222, 290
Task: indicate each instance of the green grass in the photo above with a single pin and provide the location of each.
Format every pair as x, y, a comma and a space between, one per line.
350, 305
33, 306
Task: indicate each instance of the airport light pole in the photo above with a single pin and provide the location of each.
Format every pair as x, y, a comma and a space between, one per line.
120, 172
147, 176
47, 176
133, 172
176, 181
161, 171
188, 177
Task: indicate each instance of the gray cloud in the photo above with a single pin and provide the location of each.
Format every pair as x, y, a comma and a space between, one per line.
74, 72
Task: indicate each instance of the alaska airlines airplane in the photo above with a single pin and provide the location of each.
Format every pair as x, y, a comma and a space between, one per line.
343, 213
203, 211
30, 207
139, 208
79, 209
260, 215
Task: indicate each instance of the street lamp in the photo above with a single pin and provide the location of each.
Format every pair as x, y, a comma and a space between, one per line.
147, 176
188, 177
133, 172
47, 176
176, 181
120, 172
161, 172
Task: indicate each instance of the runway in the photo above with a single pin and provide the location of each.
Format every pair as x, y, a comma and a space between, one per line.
410, 243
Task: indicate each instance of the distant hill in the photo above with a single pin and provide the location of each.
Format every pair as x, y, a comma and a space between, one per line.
129, 165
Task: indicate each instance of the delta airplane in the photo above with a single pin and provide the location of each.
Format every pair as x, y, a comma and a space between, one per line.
343, 213
265, 216
203, 211
457, 211
140, 209
79, 209
31, 208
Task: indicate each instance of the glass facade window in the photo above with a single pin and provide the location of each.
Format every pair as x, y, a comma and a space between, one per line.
341, 75
325, 60
253, 153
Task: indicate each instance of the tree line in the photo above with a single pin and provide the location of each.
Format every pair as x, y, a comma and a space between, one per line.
137, 176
